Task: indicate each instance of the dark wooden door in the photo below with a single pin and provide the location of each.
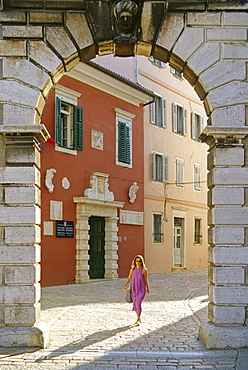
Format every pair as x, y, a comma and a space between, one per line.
97, 247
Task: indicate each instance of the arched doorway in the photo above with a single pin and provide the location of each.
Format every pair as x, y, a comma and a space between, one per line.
34, 57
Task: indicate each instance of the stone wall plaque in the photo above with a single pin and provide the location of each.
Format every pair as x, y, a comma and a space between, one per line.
131, 218
56, 210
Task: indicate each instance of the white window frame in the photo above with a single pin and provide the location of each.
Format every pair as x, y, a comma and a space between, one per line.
195, 130
165, 167
176, 73
179, 172
125, 117
153, 231
154, 108
197, 177
157, 62
175, 123
70, 97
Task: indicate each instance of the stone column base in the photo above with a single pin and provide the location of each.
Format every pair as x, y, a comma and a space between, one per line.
223, 337
25, 336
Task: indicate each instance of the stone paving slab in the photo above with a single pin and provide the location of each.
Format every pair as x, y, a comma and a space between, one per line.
92, 327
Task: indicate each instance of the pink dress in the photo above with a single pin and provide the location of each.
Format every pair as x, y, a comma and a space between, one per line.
138, 290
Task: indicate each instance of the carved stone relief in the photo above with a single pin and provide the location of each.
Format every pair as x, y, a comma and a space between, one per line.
133, 192
49, 179
97, 140
99, 187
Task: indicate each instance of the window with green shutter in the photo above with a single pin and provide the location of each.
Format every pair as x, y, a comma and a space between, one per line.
124, 143
69, 125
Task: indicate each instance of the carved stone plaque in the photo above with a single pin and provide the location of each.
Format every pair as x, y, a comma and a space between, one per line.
131, 218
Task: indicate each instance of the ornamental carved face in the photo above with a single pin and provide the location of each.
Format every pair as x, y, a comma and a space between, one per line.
125, 13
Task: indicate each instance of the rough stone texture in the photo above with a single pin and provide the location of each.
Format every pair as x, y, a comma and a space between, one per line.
22, 235
10, 48
228, 175
14, 91
232, 116
184, 46
204, 19
235, 51
206, 56
42, 54
228, 216
22, 32
78, 27
45, 17
228, 255
222, 72
235, 19
226, 34
11, 115
226, 235
224, 315
12, 17
24, 336
223, 337
22, 294
60, 41
232, 93
24, 70
20, 175
232, 156
22, 195
11, 255
22, 315
20, 215
228, 294
27, 274
172, 27
226, 275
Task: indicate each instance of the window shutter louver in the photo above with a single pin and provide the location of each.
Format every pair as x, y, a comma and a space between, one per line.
58, 121
124, 143
193, 126
174, 117
185, 123
152, 111
154, 169
164, 123
201, 124
165, 168
78, 127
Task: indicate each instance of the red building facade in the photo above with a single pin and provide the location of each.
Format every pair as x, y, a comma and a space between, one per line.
92, 177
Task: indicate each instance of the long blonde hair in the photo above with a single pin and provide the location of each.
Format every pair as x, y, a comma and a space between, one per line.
133, 265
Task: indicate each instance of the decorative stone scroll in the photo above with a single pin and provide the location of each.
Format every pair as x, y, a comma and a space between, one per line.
133, 192
131, 218
99, 187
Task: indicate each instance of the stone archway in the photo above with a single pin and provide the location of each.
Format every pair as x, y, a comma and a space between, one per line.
208, 43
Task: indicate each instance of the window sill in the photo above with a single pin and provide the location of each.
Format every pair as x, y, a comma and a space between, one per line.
65, 150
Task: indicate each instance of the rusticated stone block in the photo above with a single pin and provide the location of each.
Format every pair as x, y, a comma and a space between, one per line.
24, 70
226, 195
184, 46
60, 40
235, 19
20, 175
12, 17
44, 56
226, 34
226, 235
21, 294
224, 315
22, 195
227, 94
21, 315
206, 55
228, 255
45, 17
228, 176
11, 111
22, 235
235, 51
233, 156
172, 27
228, 116
228, 294
78, 27
204, 19
220, 73
22, 274
22, 31
14, 91
19, 254
11, 48
226, 275
228, 216
18, 214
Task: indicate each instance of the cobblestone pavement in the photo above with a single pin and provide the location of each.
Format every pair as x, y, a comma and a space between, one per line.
92, 327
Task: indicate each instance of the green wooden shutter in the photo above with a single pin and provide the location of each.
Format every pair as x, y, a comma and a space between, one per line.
78, 127
124, 150
58, 121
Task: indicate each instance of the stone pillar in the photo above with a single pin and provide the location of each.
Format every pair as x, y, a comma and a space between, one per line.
82, 248
111, 248
228, 239
20, 237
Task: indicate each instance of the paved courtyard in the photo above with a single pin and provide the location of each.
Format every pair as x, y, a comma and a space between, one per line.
92, 327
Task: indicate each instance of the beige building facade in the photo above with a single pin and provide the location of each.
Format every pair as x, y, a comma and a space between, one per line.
175, 173
38, 46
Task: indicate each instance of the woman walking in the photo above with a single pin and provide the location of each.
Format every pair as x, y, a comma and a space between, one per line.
139, 287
